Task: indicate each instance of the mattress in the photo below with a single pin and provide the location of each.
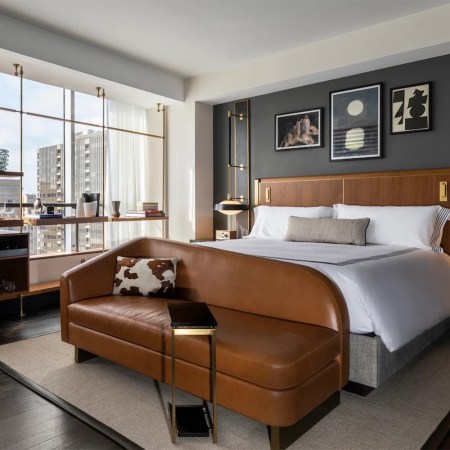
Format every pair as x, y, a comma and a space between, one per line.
393, 291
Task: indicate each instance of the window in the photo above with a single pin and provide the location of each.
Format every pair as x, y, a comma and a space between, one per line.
44, 99
9, 131
65, 137
9, 92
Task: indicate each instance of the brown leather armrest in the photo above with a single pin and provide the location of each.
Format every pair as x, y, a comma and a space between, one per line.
94, 278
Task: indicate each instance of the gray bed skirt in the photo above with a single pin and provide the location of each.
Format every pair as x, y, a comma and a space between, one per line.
371, 363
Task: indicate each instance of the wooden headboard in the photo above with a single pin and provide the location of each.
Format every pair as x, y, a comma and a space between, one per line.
399, 188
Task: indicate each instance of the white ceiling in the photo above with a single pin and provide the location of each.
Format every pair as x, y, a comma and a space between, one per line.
195, 37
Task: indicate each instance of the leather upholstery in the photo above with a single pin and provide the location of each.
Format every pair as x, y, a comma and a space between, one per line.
282, 336
273, 353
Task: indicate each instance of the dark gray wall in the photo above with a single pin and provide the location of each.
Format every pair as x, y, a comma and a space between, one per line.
423, 150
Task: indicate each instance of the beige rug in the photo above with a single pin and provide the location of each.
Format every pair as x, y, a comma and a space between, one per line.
400, 415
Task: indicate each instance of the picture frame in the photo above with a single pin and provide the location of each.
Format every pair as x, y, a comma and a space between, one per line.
411, 108
298, 130
356, 123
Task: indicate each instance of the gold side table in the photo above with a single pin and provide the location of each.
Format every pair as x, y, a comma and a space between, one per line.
194, 319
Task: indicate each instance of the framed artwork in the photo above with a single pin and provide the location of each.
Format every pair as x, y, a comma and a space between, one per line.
411, 108
356, 123
298, 130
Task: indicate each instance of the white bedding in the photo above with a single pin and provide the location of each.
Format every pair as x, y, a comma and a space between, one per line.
395, 292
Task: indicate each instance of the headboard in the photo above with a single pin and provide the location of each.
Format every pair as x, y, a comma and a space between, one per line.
397, 188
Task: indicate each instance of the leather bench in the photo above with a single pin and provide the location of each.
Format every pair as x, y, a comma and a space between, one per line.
282, 335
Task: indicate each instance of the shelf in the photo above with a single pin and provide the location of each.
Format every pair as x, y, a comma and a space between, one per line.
73, 220
42, 288
6, 223
64, 221
35, 289
11, 295
14, 253
135, 219
14, 267
4, 173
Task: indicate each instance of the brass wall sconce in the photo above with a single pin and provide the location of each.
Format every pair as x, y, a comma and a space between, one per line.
231, 206
238, 165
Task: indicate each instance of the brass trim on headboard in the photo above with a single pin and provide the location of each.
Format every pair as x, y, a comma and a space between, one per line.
256, 191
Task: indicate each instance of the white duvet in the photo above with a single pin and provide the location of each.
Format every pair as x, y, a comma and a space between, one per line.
395, 292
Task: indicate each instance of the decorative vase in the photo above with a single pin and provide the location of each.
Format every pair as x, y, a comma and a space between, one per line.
93, 197
96, 198
90, 209
80, 207
38, 207
115, 206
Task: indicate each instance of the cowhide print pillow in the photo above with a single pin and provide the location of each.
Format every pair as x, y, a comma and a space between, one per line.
147, 277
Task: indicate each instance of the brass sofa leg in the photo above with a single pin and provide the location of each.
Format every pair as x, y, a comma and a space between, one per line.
274, 435
83, 355
283, 437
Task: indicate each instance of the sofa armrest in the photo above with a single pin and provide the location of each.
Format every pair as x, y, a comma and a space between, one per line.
94, 278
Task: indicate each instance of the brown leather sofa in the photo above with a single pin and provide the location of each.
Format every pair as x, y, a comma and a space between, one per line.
282, 335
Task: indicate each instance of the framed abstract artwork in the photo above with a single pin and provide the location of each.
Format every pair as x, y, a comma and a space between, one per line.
298, 130
411, 108
356, 123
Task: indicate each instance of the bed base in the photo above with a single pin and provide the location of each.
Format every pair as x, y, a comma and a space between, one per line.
371, 363
358, 388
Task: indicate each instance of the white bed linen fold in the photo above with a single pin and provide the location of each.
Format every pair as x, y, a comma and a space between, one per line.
396, 292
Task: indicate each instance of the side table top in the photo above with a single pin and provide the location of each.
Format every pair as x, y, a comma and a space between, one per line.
191, 315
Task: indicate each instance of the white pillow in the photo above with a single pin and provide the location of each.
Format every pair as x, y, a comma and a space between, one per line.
442, 217
412, 226
271, 221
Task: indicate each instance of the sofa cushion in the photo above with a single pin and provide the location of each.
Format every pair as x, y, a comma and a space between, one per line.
272, 353
145, 276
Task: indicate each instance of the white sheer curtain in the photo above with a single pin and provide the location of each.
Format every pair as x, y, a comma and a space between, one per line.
133, 170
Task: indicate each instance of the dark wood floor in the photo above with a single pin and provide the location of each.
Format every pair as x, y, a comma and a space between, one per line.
26, 419
29, 421
35, 323
440, 439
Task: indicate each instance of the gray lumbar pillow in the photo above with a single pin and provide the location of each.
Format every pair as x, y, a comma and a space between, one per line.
332, 231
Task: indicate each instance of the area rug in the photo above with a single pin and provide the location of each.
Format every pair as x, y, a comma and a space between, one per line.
401, 414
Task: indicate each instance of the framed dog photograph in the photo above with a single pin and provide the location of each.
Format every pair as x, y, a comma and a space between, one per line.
411, 108
298, 130
356, 123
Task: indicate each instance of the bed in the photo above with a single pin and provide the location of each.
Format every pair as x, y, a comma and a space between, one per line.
398, 296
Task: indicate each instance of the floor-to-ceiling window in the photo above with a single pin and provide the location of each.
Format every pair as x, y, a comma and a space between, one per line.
73, 143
